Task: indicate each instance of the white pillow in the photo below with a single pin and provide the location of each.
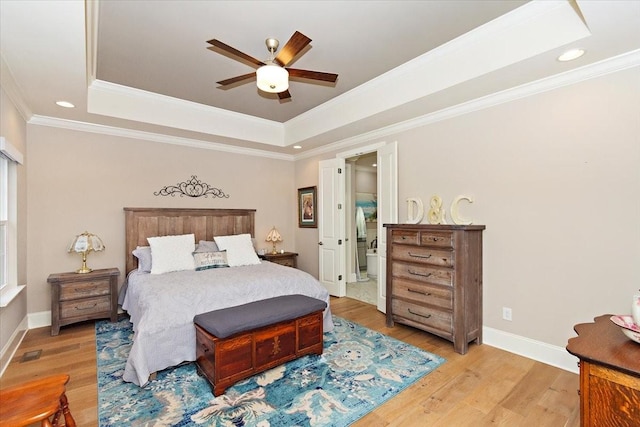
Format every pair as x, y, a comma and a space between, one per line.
239, 249
172, 253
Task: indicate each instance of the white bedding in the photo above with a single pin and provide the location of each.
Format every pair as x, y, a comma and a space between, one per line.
162, 307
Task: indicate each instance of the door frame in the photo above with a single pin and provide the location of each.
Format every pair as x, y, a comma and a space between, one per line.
367, 149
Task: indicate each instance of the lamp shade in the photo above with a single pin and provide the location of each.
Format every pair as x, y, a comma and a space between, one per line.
274, 236
83, 244
272, 78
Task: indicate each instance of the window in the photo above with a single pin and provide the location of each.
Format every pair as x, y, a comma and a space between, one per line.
10, 157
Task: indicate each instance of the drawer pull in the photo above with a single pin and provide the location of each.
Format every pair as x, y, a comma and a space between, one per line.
420, 256
415, 273
419, 292
418, 314
87, 308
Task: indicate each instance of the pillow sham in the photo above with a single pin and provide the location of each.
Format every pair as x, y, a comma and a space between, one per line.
207, 246
143, 253
240, 250
206, 260
172, 253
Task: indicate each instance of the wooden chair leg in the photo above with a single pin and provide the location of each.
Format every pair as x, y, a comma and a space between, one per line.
68, 418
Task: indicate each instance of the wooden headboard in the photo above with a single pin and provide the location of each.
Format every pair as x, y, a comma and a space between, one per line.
141, 223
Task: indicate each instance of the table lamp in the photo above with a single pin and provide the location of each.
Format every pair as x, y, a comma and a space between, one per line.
274, 237
83, 244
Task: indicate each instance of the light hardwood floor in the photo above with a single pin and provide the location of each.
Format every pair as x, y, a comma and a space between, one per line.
487, 386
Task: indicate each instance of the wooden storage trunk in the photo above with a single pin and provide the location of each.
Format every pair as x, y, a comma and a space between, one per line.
225, 361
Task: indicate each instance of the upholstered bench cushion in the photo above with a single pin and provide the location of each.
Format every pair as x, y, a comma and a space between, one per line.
229, 321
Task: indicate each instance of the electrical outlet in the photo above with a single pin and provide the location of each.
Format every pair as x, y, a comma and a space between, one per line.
506, 313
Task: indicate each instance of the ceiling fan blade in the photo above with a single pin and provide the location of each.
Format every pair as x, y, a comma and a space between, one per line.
296, 43
234, 52
313, 75
284, 95
233, 80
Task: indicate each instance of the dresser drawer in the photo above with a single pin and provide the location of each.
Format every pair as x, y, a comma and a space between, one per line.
435, 238
423, 255
85, 307
405, 237
423, 273
90, 288
423, 293
427, 316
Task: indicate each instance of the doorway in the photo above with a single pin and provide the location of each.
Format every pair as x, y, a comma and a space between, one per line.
361, 225
334, 230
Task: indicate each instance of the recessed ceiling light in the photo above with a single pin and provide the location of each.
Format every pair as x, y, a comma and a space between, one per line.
570, 55
65, 104
297, 147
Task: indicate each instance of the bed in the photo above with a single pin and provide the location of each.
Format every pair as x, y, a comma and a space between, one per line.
161, 306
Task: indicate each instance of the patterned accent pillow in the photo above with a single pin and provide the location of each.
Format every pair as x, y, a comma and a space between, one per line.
206, 260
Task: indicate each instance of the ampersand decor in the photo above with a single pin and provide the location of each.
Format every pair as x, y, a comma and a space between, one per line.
192, 188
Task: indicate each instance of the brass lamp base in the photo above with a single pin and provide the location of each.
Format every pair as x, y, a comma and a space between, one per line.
84, 268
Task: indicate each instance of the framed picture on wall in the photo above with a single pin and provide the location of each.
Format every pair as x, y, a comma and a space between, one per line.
307, 216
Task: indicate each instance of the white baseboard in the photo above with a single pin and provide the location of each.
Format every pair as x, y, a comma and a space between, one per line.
536, 350
39, 319
12, 345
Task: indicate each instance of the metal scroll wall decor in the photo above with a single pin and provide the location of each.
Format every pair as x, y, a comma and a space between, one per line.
192, 188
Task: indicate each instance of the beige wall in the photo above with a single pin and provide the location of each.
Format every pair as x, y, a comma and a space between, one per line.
555, 177
81, 181
13, 129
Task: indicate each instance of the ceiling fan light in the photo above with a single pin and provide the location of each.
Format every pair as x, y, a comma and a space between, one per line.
272, 79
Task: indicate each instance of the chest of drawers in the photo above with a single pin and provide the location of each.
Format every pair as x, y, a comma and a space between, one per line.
78, 297
434, 280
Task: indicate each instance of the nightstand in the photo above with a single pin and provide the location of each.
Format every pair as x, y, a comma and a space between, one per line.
286, 258
78, 297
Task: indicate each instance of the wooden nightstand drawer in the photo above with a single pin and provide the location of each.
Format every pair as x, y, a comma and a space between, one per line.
85, 307
288, 259
86, 289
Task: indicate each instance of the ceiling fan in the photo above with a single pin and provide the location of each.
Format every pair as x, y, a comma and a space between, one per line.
272, 75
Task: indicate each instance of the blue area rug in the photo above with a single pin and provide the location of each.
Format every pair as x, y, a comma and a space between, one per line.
359, 370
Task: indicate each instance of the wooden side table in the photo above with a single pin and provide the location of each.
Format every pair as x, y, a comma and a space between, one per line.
286, 258
35, 401
609, 374
77, 297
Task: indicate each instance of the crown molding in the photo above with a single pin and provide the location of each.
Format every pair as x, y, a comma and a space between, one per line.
608, 66
155, 137
13, 91
591, 71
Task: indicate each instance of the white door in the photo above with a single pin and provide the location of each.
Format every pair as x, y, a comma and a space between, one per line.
331, 226
387, 211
